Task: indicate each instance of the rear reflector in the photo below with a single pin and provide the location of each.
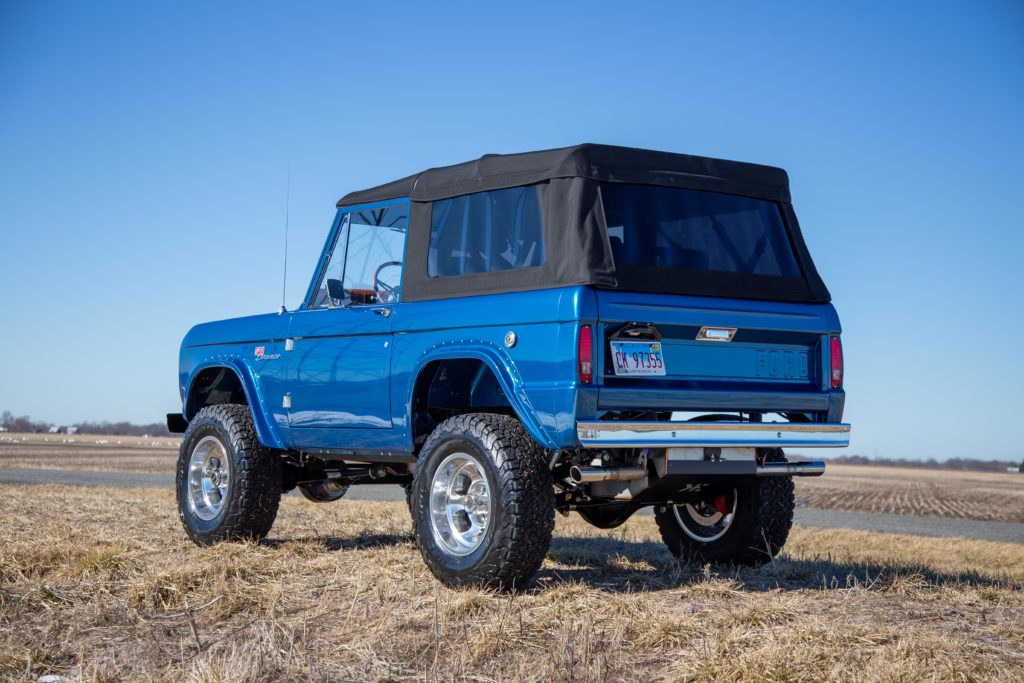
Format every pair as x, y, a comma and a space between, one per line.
586, 354
836, 355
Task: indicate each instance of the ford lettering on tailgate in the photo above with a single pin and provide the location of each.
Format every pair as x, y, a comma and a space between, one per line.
777, 363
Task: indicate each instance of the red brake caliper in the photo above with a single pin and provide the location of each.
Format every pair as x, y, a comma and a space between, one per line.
722, 504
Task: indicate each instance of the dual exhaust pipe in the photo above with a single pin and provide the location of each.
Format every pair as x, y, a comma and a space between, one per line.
587, 475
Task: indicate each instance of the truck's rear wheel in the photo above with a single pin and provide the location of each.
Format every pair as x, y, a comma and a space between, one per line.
483, 503
229, 485
745, 524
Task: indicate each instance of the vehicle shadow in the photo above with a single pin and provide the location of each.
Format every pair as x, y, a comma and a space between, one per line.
617, 566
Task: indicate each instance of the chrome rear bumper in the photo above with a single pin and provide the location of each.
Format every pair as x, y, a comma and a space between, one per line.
712, 434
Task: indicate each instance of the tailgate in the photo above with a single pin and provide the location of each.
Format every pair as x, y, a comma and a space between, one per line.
745, 346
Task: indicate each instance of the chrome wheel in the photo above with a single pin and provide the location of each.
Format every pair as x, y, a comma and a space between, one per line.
460, 505
707, 520
209, 478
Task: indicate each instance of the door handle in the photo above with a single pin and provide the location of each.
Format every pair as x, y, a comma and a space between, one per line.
386, 312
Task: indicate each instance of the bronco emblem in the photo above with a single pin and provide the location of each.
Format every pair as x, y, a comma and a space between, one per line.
261, 354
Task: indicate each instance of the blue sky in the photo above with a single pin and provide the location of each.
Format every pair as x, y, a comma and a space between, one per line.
144, 148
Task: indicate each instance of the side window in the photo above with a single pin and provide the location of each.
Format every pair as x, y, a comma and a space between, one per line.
365, 266
486, 232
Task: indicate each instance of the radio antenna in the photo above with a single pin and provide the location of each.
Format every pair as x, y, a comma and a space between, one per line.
287, 206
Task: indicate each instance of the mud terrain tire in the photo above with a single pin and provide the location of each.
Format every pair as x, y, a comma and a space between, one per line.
521, 503
254, 478
759, 529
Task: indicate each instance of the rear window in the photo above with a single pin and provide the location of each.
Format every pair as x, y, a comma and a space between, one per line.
486, 232
666, 227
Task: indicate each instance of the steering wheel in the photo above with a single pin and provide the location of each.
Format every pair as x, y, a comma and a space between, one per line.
386, 292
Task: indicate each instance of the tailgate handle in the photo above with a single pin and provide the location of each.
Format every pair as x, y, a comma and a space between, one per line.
637, 331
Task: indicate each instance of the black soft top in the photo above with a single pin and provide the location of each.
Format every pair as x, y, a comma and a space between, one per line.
577, 247
595, 162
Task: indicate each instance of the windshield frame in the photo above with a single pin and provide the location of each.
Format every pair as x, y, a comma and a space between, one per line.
330, 244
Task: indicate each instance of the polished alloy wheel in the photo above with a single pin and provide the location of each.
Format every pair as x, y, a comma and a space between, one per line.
209, 477
460, 504
707, 520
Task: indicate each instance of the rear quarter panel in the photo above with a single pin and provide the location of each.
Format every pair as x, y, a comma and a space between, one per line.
538, 373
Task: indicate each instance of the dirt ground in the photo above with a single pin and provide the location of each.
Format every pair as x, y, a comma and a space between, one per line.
987, 496
102, 584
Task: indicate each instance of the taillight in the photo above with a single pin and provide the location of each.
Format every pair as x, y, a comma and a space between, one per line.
836, 355
586, 354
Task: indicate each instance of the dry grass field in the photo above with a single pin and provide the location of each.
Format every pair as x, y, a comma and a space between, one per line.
102, 584
991, 496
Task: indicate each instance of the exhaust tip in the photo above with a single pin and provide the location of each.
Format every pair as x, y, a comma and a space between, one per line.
586, 475
810, 468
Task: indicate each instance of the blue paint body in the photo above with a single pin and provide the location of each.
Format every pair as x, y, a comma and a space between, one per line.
352, 372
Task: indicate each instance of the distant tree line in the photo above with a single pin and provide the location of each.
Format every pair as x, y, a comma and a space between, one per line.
27, 425
930, 463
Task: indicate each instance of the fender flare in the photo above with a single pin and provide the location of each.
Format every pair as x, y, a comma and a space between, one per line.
266, 431
504, 371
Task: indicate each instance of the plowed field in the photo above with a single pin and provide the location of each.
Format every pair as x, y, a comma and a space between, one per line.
991, 496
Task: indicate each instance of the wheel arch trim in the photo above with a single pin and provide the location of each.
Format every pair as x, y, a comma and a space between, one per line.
266, 430
504, 370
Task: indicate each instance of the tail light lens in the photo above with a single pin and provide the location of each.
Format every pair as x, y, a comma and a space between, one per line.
586, 354
836, 356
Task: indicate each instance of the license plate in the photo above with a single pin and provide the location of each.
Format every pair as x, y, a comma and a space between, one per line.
632, 358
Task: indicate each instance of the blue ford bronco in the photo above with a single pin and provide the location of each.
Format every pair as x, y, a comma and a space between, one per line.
593, 329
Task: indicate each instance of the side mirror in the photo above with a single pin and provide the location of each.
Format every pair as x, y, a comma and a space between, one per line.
335, 290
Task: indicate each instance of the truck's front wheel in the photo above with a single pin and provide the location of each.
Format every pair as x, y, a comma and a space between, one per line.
746, 524
483, 504
229, 485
